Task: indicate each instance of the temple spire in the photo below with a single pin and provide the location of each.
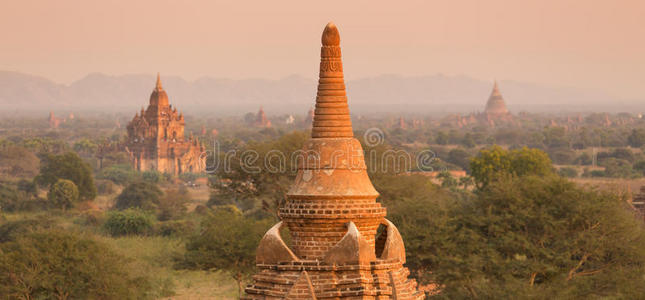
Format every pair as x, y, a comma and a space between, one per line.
331, 116
159, 87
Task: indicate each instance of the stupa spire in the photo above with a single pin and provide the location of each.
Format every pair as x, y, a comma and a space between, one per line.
158, 86
331, 116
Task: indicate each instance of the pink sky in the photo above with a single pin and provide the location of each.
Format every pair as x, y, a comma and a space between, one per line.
582, 43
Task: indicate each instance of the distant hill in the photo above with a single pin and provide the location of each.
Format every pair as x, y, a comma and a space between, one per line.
435, 94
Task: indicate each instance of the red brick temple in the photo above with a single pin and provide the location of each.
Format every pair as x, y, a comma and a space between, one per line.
156, 138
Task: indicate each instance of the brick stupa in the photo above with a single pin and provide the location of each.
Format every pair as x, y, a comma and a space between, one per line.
332, 214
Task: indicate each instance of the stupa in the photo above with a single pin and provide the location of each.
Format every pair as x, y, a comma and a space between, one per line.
495, 106
332, 214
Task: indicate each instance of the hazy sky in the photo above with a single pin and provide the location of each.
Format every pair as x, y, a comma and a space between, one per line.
583, 43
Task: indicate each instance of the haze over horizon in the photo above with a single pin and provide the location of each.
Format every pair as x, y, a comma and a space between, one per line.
593, 45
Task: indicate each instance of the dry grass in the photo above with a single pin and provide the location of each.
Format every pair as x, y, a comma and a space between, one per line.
155, 257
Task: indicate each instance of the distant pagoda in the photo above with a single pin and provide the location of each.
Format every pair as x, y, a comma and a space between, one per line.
156, 138
496, 106
261, 119
332, 213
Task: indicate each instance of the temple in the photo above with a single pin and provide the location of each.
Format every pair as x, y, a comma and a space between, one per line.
495, 106
156, 139
332, 214
495, 113
261, 119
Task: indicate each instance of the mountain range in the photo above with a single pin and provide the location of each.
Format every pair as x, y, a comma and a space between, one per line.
433, 94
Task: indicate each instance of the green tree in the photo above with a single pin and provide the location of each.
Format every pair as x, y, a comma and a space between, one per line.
173, 204
618, 168
459, 157
71, 167
152, 176
447, 181
63, 194
227, 241
468, 141
18, 161
60, 265
495, 162
442, 138
637, 138
117, 173
85, 147
12, 199
247, 182
141, 194
524, 237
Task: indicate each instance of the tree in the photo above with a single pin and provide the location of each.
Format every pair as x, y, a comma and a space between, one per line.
495, 162
468, 141
228, 242
85, 147
637, 138
447, 181
618, 168
173, 204
118, 173
423, 216
253, 184
524, 237
18, 161
63, 194
12, 199
442, 138
60, 265
459, 157
71, 167
141, 194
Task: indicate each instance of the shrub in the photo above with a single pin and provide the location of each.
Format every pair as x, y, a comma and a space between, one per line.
175, 228
119, 174
189, 177
12, 199
104, 187
152, 176
11, 231
60, 265
27, 186
568, 172
562, 156
597, 173
128, 222
618, 168
142, 194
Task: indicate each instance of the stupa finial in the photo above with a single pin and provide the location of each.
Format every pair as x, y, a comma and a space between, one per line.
159, 87
331, 36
